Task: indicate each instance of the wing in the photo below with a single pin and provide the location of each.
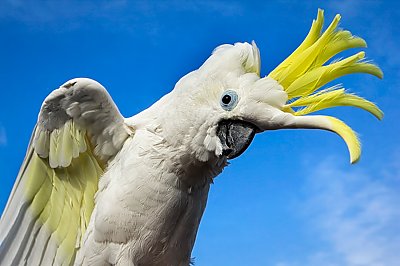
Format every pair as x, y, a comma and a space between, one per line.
79, 130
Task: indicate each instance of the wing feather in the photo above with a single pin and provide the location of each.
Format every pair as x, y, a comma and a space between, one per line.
79, 130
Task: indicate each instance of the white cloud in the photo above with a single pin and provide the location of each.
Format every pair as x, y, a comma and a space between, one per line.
356, 212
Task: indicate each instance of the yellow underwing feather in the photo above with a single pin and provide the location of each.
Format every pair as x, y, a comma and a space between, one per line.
60, 155
62, 198
67, 145
42, 143
80, 138
57, 204
53, 148
52, 201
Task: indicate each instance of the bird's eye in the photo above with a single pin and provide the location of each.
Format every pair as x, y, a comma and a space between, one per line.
229, 100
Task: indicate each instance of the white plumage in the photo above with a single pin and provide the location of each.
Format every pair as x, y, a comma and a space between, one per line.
98, 189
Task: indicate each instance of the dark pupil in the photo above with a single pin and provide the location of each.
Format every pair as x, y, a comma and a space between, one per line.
226, 99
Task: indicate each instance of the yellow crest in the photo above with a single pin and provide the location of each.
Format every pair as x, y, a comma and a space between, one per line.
306, 70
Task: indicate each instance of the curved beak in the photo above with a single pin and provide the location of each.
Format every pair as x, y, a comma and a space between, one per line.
235, 137
283, 120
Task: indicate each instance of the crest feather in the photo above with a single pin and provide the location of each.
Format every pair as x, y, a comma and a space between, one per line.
332, 97
303, 73
306, 70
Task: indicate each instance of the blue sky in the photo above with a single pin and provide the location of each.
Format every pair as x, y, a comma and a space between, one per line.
292, 199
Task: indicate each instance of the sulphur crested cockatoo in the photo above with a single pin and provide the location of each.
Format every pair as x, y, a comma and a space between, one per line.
96, 188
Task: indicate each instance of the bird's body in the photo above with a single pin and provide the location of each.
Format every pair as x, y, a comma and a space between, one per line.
96, 188
142, 215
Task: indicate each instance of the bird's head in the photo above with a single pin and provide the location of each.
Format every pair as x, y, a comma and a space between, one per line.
226, 102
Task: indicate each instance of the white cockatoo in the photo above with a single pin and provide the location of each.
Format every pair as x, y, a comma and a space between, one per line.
96, 188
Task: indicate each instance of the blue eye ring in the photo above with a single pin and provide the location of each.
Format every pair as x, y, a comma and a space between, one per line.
229, 100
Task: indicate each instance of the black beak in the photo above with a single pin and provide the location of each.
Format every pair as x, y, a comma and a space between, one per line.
235, 137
